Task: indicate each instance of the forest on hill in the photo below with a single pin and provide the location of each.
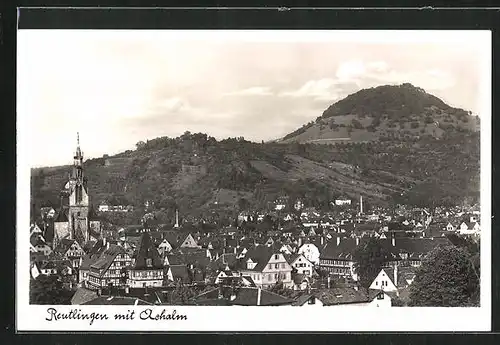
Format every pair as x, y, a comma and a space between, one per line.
200, 175
385, 112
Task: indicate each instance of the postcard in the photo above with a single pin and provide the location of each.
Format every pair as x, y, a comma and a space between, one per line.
253, 180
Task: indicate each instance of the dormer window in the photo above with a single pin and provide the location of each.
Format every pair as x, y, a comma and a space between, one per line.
276, 256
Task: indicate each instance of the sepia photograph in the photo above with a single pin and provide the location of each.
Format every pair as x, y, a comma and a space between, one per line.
161, 170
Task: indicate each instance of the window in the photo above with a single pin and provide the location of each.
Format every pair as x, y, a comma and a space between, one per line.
311, 300
276, 256
380, 296
149, 262
376, 283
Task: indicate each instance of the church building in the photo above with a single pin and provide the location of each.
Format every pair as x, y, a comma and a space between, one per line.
76, 220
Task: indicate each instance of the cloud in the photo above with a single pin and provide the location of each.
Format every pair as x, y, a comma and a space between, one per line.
251, 91
354, 75
351, 70
378, 66
322, 89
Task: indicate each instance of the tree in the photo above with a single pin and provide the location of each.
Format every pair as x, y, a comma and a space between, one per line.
49, 290
369, 260
446, 278
181, 294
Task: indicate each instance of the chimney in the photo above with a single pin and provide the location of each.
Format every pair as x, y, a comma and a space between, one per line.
259, 293
361, 204
357, 241
234, 249
393, 241
322, 240
107, 245
328, 281
127, 289
396, 275
338, 240
176, 219
300, 242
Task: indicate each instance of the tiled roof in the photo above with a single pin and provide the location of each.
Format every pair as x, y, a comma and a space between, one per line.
104, 260
180, 272
63, 246
62, 216
249, 296
415, 247
148, 294
195, 257
343, 250
302, 299
106, 300
174, 260
260, 254
337, 296
291, 257
83, 295
146, 250
37, 240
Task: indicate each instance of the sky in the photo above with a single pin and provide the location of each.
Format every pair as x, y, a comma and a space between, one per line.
119, 87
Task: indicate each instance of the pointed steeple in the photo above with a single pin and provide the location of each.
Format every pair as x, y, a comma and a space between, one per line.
78, 154
176, 219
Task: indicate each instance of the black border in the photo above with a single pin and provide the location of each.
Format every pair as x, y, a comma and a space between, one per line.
262, 18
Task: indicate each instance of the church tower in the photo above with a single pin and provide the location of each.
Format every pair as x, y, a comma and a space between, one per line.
78, 211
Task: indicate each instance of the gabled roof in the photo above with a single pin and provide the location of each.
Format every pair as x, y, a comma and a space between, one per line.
302, 299
63, 246
37, 240
249, 297
180, 272
343, 250
336, 296
222, 261
146, 250
106, 300
292, 257
83, 295
259, 254
189, 256
62, 216
103, 261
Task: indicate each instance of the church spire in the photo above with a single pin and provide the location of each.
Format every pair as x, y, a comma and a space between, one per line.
78, 161
78, 154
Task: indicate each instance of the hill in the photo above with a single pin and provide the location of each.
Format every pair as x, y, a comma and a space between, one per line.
200, 175
399, 112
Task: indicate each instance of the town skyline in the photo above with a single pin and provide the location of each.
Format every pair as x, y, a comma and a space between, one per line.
139, 87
